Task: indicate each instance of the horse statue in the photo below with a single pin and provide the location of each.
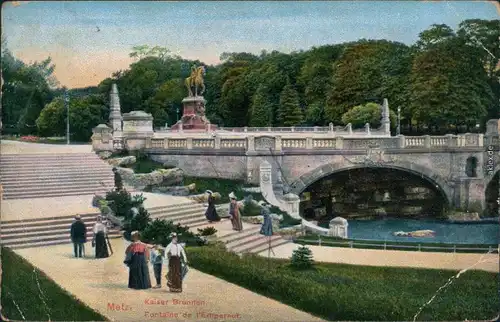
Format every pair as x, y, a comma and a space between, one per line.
196, 80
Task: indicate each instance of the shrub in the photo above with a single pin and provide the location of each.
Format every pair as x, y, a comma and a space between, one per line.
250, 208
121, 202
158, 232
207, 231
302, 258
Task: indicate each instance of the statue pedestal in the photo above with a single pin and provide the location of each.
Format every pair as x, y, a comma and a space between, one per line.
193, 116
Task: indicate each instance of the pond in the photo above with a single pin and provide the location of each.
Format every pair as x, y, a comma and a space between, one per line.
446, 232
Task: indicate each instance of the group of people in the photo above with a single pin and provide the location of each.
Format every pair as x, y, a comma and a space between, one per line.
100, 240
234, 212
139, 254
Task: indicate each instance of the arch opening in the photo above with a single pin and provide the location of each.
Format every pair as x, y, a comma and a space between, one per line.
373, 193
471, 167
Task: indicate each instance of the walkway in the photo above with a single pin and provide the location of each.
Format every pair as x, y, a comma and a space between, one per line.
102, 284
17, 147
19, 209
376, 257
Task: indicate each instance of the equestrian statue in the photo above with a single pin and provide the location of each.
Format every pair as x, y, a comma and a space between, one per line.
196, 80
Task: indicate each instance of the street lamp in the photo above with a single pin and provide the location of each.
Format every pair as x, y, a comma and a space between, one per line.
177, 114
477, 127
66, 103
399, 121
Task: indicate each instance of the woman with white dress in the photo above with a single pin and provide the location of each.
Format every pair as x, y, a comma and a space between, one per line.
99, 239
176, 258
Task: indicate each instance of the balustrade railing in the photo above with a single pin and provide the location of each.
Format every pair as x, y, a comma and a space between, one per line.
280, 143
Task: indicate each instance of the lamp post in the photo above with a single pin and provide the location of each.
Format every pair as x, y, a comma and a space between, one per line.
477, 127
398, 131
177, 110
66, 103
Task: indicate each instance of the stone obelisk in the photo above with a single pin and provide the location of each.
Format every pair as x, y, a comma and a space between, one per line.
386, 122
115, 115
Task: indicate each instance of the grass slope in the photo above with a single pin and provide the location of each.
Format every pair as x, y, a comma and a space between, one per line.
354, 293
21, 293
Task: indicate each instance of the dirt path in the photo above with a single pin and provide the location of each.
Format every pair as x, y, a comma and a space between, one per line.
102, 284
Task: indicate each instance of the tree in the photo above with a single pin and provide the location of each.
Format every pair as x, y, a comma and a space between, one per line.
290, 112
261, 110
370, 113
302, 258
51, 119
434, 35
315, 114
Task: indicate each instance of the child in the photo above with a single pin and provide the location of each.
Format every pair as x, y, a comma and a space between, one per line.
157, 262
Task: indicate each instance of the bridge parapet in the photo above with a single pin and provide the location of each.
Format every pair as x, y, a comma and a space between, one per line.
252, 143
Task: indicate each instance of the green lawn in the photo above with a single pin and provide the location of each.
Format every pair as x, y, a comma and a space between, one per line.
348, 292
23, 300
367, 244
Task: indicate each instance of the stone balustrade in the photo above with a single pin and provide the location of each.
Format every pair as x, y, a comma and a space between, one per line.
283, 143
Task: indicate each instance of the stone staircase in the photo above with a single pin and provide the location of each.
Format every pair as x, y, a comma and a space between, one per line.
46, 175
39, 232
189, 214
251, 241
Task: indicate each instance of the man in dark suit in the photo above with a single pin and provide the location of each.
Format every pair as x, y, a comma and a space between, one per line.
78, 236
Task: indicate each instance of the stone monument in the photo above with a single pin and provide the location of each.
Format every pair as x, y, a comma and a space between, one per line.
137, 124
193, 115
115, 115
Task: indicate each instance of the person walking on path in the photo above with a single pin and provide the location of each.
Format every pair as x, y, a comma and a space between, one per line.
100, 238
267, 225
211, 212
137, 258
234, 213
78, 236
157, 257
177, 261
118, 180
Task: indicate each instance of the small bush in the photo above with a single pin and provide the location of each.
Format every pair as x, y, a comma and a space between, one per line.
250, 208
121, 202
158, 232
302, 258
207, 231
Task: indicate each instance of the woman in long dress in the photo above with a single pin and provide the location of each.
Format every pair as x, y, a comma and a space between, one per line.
176, 257
211, 212
234, 213
99, 239
137, 258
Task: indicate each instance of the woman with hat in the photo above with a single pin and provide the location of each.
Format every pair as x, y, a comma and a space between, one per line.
99, 239
211, 212
137, 258
176, 258
267, 225
234, 213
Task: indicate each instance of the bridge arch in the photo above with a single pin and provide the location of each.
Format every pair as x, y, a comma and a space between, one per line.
301, 184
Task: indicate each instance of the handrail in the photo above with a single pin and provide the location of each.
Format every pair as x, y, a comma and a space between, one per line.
419, 247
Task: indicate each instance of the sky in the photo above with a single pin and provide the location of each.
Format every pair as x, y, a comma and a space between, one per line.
89, 40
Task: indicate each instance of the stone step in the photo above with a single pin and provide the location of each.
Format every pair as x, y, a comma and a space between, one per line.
42, 163
257, 241
47, 158
54, 169
8, 223
54, 193
173, 208
55, 236
235, 238
46, 231
49, 242
44, 226
62, 186
178, 214
60, 175
77, 176
35, 184
274, 243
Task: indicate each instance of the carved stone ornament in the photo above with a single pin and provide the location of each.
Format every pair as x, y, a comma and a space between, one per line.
264, 143
265, 177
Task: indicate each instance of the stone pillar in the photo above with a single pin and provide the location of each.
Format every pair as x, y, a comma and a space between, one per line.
427, 141
401, 141
189, 143
115, 115
339, 143
385, 121
349, 128
309, 143
293, 128
165, 143
277, 143
367, 128
450, 142
217, 142
251, 143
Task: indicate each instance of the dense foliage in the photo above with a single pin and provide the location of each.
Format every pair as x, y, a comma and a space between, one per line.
446, 82
302, 258
339, 292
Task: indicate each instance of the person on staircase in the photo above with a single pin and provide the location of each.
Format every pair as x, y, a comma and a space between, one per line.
118, 180
100, 239
234, 213
211, 213
78, 236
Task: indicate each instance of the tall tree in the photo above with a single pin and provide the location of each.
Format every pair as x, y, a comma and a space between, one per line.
262, 108
290, 112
